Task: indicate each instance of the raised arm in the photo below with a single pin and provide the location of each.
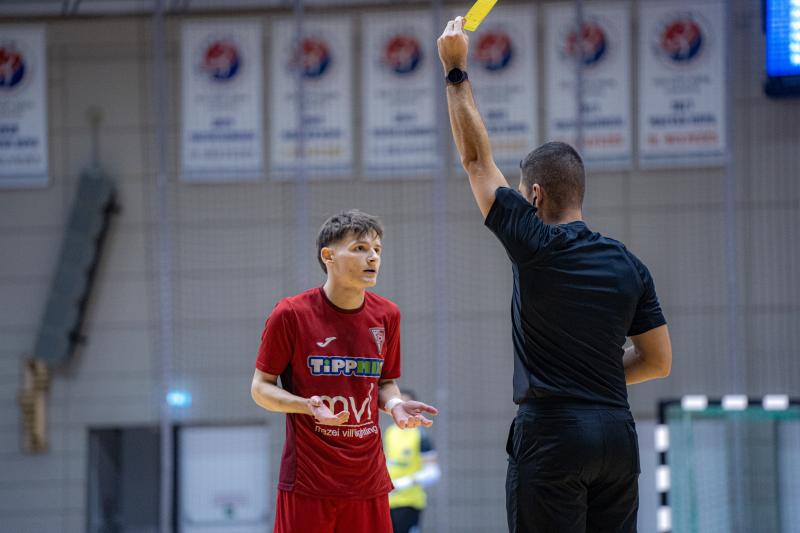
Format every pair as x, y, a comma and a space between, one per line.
469, 132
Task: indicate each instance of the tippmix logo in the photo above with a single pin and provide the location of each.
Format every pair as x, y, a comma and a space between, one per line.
589, 45
494, 50
313, 57
13, 66
402, 53
221, 60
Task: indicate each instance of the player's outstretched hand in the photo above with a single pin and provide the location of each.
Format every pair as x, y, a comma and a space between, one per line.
453, 45
408, 414
324, 415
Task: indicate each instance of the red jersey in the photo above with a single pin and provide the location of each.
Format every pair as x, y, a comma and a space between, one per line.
339, 355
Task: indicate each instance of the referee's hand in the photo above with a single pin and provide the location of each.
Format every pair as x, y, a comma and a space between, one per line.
408, 415
323, 414
453, 45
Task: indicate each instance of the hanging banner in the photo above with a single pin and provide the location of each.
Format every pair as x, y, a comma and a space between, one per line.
682, 84
602, 46
323, 61
400, 90
222, 117
23, 107
502, 66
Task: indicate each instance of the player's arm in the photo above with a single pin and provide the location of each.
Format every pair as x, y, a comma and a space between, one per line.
430, 472
267, 394
469, 132
406, 414
388, 390
649, 357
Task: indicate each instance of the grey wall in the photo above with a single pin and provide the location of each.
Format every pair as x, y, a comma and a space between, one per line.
234, 256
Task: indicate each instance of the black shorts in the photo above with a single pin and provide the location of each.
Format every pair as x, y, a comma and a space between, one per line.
572, 468
406, 519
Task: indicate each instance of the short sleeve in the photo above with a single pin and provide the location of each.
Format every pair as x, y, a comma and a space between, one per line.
648, 311
277, 344
513, 220
391, 360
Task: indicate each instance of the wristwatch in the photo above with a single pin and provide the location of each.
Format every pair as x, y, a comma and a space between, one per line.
456, 76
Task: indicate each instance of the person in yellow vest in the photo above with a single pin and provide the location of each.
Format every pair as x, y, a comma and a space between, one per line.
412, 464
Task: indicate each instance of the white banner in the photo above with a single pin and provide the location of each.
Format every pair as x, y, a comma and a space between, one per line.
682, 83
222, 133
603, 47
23, 106
324, 58
502, 66
399, 93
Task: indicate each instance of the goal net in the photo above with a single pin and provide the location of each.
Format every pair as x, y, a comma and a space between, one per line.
729, 465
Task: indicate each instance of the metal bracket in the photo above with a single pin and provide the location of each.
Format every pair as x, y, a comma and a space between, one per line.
32, 400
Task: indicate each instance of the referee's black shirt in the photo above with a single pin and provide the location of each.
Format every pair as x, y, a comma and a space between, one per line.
577, 295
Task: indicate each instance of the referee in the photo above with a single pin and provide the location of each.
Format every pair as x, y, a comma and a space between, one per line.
573, 462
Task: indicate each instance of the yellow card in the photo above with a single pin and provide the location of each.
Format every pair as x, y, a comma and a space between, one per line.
477, 13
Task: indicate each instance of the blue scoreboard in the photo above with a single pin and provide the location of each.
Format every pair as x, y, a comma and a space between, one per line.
782, 27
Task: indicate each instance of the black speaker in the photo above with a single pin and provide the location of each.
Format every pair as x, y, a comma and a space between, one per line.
60, 329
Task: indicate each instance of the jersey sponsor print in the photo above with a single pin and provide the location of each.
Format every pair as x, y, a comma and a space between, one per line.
339, 355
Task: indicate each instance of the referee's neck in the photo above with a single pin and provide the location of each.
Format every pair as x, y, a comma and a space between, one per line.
563, 217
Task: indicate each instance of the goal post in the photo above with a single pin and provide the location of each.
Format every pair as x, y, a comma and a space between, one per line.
728, 465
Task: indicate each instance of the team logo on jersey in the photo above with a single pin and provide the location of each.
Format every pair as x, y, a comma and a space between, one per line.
379, 334
12, 66
326, 342
363, 367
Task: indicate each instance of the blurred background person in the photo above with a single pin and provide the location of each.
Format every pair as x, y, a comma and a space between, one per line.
413, 467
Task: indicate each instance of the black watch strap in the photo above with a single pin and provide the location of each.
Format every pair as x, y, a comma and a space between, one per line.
456, 76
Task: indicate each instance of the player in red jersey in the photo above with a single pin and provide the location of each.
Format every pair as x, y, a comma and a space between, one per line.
336, 349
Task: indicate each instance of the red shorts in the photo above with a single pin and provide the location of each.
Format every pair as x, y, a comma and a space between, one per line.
295, 513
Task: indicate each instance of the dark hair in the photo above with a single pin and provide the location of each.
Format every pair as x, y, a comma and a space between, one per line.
558, 169
342, 224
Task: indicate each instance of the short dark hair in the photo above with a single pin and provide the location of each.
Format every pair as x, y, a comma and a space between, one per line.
342, 224
558, 169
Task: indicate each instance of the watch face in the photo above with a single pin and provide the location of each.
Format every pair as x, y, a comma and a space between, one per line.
455, 75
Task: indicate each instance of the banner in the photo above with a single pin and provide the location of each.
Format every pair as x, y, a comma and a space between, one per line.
323, 61
502, 66
602, 45
222, 117
400, 89
23, 107
682, 84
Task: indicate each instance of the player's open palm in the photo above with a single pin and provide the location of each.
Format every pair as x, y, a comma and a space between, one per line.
409, 414
323, 414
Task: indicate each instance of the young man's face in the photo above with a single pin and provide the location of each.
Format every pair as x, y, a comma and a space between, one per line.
354, 261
